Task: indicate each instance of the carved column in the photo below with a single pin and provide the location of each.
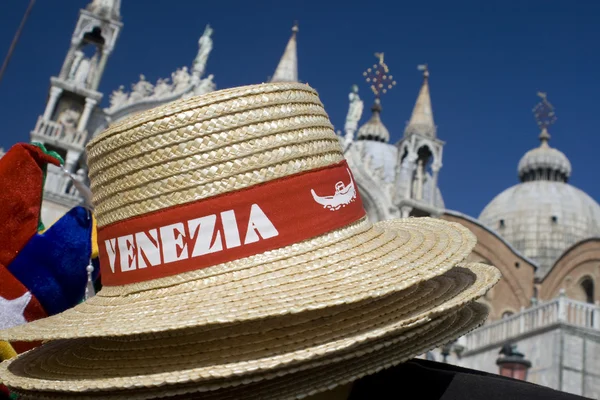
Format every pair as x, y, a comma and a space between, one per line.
408, 172
436, 169
562, 306
71, 160
100, 70
64, 72
348, 138
405, 211
51, 105
419, 191
85, 116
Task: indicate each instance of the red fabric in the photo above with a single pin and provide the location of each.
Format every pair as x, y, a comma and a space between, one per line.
4, 391
11, 288
21, 190
289, 204
22, 347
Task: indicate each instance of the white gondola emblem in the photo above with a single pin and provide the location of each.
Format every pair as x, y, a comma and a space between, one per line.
344, 195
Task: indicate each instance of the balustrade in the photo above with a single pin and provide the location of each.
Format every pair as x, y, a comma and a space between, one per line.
54, 131
559, 310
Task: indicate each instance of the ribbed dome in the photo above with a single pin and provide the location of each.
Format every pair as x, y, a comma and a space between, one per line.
543, 215
374, 129
542, 219
545, 163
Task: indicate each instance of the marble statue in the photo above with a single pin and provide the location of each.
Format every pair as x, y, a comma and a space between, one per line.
101, 7
69, 118
141, 90
100, 4
184, 82
201, 86
162, 88
83, 68
77, 57
181, 79
205, 45
118, 98
92, 70
355, 110
80, 68
410, 160
206, 85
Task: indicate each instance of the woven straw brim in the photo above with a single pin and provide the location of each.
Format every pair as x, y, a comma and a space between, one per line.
239, 350
360, 262
365, 361
314, 377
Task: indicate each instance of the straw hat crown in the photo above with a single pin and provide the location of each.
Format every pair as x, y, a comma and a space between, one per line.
207, 146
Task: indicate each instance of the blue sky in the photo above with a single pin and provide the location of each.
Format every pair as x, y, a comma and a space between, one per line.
487, 60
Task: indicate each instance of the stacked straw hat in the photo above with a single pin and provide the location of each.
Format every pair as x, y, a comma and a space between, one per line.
237, 261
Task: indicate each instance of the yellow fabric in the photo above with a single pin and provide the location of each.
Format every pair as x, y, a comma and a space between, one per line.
94, 238
6, 351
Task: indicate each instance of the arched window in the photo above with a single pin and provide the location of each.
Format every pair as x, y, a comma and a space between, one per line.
587, 286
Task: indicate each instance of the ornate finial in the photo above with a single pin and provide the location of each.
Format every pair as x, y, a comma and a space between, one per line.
295, 27
544, 112
425, 69
379, 78
544, 116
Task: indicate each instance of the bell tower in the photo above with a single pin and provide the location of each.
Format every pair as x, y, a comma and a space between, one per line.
420, 153
72, 100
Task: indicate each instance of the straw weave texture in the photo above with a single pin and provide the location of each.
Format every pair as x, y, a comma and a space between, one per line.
192, 103
214, 118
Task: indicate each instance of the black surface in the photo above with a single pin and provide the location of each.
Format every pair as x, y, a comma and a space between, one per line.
429, 380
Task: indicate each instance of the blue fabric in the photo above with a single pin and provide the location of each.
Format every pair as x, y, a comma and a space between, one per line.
52, 265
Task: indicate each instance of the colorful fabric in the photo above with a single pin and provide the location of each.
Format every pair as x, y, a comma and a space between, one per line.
22, 171
42, 271
52, 264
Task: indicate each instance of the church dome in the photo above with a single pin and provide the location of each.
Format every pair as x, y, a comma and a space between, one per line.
544, 160
374, 129
543, 215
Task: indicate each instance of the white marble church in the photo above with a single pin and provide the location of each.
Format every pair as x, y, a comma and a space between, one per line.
543, 234
396, 179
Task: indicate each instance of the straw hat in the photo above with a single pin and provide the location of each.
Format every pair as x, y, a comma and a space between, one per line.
234, 248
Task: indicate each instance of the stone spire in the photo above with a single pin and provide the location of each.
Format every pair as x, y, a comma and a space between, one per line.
421, 152
421, 120
287, 70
